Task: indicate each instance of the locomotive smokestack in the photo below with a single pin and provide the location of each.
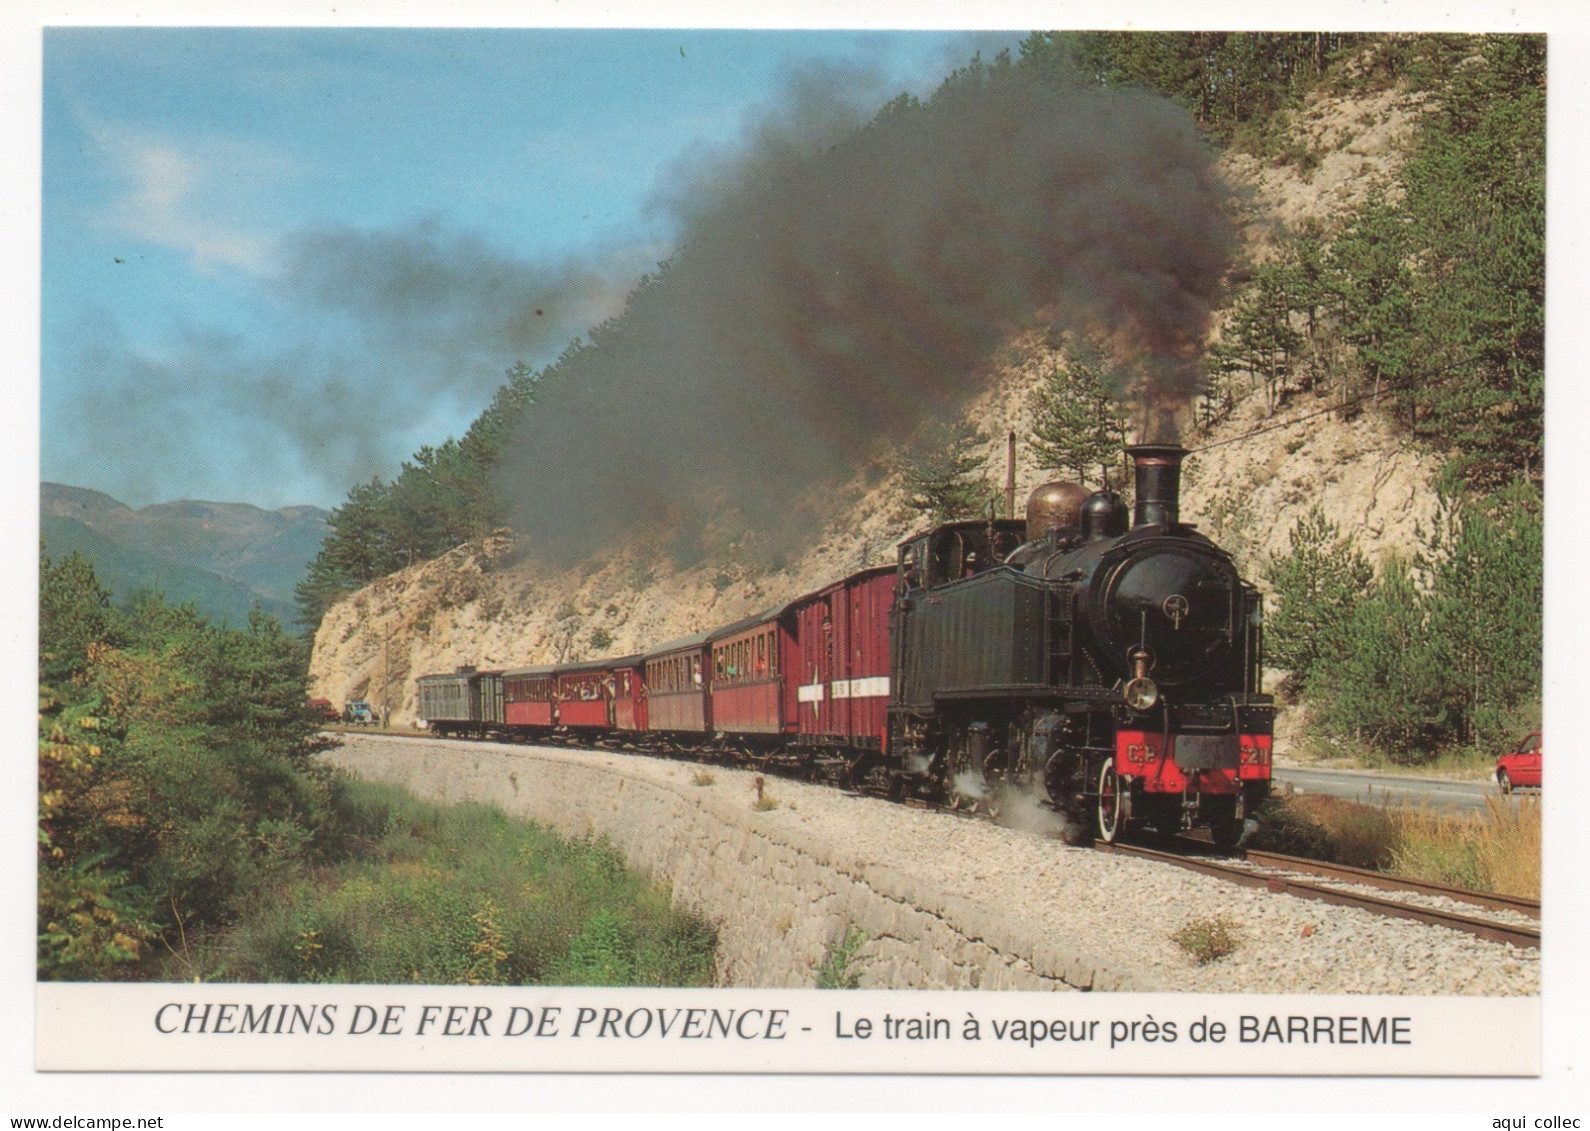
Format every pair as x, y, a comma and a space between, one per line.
1158, 483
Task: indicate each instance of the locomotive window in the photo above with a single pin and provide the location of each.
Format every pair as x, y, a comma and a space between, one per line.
946, 556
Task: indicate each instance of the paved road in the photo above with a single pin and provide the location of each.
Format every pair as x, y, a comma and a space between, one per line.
1375, 788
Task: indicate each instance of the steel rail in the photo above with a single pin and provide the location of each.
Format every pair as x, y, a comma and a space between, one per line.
1518, 936
1349, 874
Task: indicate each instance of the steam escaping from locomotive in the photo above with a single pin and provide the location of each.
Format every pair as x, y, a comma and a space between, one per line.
839, 281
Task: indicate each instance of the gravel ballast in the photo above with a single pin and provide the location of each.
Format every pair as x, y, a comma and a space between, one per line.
1109, 920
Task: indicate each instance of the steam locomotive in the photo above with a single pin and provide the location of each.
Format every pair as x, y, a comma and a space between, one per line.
1106, 663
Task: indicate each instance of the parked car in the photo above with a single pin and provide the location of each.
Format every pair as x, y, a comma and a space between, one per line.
1520, 767
359, 711
321, 709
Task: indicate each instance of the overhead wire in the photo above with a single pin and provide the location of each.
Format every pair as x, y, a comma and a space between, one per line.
1387, 388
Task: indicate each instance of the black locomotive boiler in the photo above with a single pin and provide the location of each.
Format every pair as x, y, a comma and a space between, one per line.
1110, 668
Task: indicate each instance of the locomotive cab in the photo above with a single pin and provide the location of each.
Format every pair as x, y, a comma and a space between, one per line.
955, 551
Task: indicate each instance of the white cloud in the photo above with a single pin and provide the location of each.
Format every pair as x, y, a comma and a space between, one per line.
205, 197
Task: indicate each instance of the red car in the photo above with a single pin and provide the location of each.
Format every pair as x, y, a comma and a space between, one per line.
1521, 766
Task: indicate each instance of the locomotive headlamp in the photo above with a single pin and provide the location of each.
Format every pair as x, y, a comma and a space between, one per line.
1141, 694
1140, 691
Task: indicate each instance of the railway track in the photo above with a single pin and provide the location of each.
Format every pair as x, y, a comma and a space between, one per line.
1294, 876
1279, 873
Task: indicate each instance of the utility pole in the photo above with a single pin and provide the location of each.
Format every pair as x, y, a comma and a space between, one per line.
1010, 475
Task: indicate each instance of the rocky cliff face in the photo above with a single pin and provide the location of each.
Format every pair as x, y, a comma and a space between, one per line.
478, 605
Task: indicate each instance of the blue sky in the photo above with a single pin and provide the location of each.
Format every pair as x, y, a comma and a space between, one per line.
277, 261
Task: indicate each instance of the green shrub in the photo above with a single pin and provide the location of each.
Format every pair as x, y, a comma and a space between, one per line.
840, 969
1207, 940
464, 894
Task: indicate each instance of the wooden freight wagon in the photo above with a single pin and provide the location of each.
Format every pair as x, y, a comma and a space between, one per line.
465, 701
838, 689
444, 702
486, 701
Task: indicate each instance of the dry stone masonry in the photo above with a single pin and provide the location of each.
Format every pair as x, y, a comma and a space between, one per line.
943, 902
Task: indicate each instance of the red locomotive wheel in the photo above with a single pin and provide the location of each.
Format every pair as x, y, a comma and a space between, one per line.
1107, 821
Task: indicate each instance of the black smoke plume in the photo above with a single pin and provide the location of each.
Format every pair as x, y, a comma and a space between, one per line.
838, 281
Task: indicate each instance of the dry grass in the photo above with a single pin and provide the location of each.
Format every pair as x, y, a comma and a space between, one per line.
1328, 828
1497, 850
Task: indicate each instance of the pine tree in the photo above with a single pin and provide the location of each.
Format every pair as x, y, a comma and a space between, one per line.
74, 613
1486, 610
1079, 428
1259, 338
1316, 586
1384, 686
943, 476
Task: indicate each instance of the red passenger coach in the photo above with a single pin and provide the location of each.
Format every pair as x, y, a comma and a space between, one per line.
676, 686
838, 688
530, 696
585, 695
629, 693
746, 662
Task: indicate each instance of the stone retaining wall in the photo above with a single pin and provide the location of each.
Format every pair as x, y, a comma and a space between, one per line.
781, 900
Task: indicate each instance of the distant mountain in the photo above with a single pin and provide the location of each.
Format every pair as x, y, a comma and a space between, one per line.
222, 556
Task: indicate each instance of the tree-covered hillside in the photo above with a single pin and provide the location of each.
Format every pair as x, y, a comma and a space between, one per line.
224, 557
1423, 304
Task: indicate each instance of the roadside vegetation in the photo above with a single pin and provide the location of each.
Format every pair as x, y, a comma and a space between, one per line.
460, 894
1497, 850
186, 831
